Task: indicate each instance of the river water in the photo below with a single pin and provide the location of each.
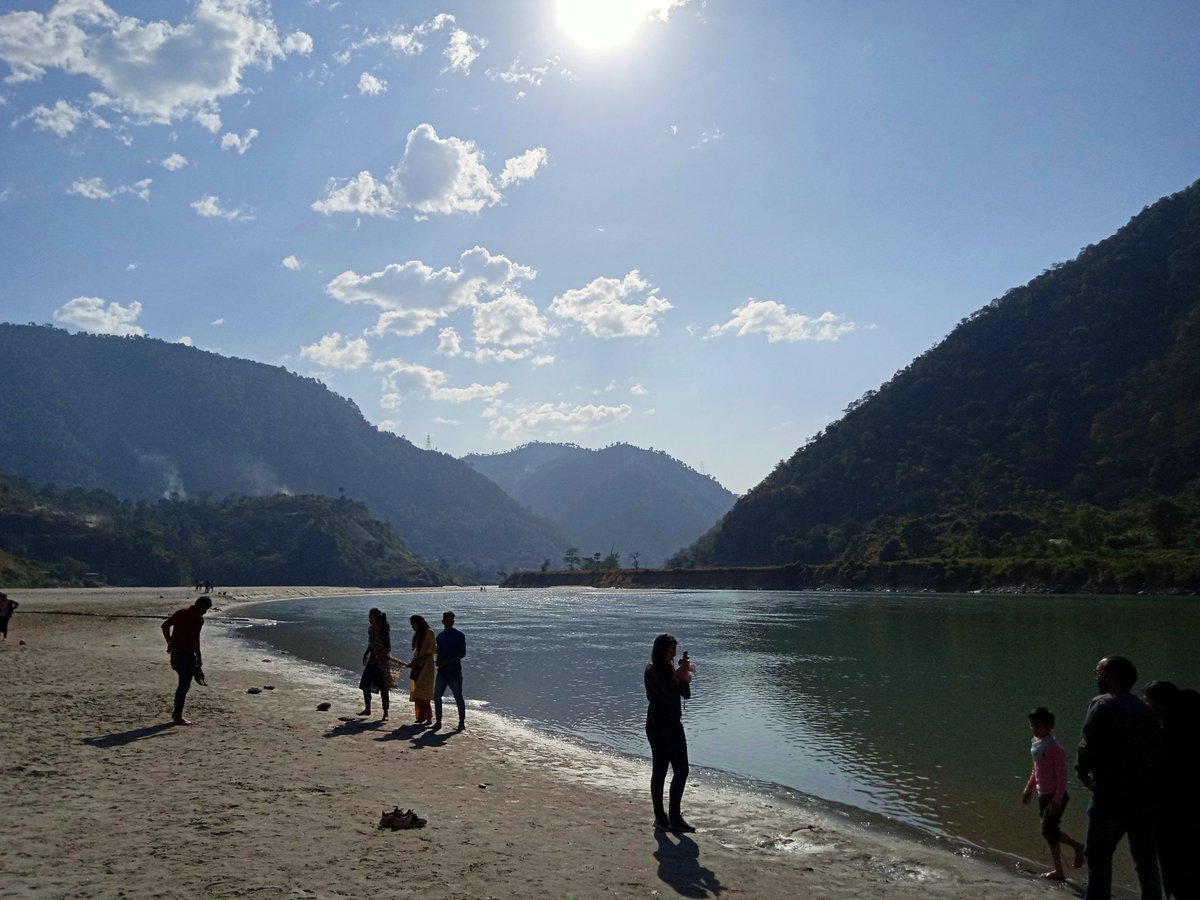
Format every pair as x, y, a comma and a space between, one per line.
909, 706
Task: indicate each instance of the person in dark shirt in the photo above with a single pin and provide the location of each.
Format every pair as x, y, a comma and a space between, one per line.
182, 633
1178, 829
451, 648
7, 607
1120, 760
666, 686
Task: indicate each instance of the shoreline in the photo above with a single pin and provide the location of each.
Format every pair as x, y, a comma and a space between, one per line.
265, 796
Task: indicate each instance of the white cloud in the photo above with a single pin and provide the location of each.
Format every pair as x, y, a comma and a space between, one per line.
369, 84
209, 120
91, 188
231, 141
130, 267
402, 379
518, 74
175, 162
291, 262
186, 340
361, 194
510, 321
337, 352
435, 176
90, 314
449, 342
217, 322
412, 296
546, 360
96, 189
153, 71
779, 324
549, 419
462, 50
637, 390
523, 167
60, 118
709, 137
600, 307
443, 421
298, 42
209, 207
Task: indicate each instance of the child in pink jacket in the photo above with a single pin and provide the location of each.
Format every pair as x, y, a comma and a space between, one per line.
1049, 778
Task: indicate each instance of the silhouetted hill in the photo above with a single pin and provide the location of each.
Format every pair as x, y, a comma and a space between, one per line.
1062, 421
620, 498
144, 419
91, 537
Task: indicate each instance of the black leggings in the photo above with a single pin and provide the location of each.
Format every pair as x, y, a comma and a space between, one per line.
372, 677
668, 748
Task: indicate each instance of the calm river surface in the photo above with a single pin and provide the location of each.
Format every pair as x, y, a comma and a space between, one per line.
911, 706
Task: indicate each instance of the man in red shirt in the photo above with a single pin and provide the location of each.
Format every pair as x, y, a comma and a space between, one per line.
182, 632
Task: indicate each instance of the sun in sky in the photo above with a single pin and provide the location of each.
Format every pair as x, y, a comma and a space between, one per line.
605, 24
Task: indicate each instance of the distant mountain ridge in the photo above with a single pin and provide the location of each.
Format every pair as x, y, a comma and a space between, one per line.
621, 497
144, 418
1062, 421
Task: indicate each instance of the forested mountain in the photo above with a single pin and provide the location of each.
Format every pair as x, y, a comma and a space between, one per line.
144, 419
90, 537
1060, 421
620, 499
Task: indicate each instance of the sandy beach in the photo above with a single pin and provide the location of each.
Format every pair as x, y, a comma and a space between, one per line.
264, 796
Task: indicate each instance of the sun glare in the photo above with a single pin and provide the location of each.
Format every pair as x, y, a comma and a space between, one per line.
602, 24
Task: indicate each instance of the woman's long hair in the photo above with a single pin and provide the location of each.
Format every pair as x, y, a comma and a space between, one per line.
420, 626
660, 655
384, 629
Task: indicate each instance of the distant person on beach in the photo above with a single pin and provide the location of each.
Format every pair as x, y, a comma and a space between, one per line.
1119, 760
182, 633
1049, 780
451, 648
422, 672
7, 608
377, 663
667, 685
1178, 827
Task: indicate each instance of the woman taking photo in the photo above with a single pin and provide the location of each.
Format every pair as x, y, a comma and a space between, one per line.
422, 673
377, 670
666, 686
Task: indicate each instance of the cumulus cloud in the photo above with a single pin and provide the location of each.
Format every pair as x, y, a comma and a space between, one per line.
231, 141
449, 342
402, 379
186, 340
96, 189
779, 324
637, 390
291, 262
523, 167
462, 50
337, 352
152, 71
369, 84
175, 162
435, 176
601, 307
209, 207
520, 423
509, 321
413, 296
519, 74
91, 314
61, 118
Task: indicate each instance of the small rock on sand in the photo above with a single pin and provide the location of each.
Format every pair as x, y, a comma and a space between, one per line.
253, 690
321, 707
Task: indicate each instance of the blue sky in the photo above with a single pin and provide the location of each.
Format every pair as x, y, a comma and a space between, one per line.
703, 227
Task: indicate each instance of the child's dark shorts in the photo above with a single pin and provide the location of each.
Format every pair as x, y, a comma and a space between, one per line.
1051, 821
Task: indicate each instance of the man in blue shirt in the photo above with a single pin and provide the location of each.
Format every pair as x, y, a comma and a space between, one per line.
451, 648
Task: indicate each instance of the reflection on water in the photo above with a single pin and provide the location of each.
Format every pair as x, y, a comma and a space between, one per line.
908, 705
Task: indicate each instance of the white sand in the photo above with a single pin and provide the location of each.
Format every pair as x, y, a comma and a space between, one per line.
266, 797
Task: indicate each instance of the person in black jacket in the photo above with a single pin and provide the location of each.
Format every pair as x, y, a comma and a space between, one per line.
666, 686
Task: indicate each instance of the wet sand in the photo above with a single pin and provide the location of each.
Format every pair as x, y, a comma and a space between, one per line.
264, 796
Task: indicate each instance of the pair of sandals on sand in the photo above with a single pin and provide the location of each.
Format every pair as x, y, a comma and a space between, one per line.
398, 819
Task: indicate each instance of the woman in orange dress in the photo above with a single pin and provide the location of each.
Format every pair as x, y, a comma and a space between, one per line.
422, 672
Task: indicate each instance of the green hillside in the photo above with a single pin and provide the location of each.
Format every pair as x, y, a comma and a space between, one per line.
1061, 422
91, 537
618, 498
145, 419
